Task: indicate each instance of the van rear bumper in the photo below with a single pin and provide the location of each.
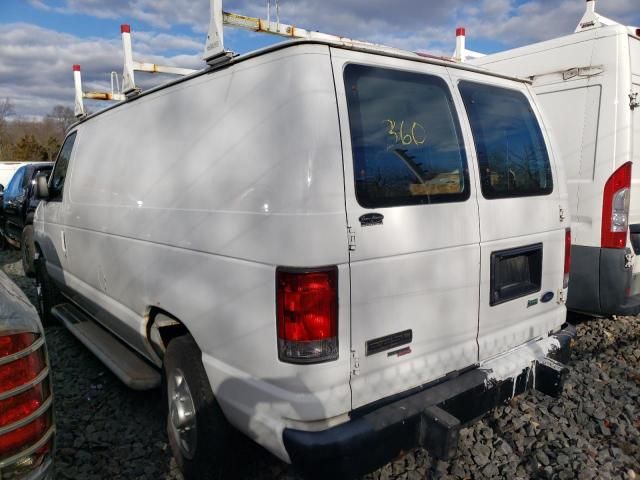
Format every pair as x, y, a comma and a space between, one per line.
601, 283
432, 416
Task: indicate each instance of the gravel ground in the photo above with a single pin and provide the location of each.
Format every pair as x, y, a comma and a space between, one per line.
106, 431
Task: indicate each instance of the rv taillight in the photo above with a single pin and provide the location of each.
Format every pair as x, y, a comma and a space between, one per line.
307, 314
22, 393
615, 208
567, 257
10, 344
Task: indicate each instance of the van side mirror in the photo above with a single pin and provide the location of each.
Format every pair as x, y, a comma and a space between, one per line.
42, 187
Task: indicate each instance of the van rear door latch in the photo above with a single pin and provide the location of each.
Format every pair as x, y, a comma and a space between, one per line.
355, 363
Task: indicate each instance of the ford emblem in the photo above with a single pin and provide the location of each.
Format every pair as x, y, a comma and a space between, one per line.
547, 297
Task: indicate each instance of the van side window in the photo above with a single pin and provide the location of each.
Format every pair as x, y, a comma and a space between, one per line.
512, 154
56, 183
405, 137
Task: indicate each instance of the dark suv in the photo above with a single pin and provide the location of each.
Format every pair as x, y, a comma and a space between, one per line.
18, 207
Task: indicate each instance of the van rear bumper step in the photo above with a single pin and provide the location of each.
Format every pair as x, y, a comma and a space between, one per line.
430, 418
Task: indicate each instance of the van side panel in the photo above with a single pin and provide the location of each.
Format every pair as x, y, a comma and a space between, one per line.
189, 198
579, 143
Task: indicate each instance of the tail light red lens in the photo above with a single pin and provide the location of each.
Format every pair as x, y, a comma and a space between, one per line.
307, 315
615, 208
567, 257
19, 372
23, 437
11, 344
20, 406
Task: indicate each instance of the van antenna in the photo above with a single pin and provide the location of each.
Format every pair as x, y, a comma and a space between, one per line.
592, 19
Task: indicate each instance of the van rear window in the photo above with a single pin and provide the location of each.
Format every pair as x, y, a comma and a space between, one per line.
512, 155
405, 137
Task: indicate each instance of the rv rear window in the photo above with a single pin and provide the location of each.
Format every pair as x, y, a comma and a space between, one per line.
405, 138
511, 150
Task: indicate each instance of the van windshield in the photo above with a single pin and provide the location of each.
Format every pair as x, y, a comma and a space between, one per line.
511, 151
405, 138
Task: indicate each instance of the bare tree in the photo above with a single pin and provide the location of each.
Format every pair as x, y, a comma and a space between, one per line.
6, 109
63, 116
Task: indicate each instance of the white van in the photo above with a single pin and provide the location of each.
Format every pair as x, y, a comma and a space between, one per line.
342, 252
588, 85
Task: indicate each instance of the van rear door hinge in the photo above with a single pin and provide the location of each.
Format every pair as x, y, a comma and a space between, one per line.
355, 363
562, 215
351, 238
634, 102
628, 260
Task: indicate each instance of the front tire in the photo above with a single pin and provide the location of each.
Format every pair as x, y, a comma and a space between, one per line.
47, 293
28, 249
201, 439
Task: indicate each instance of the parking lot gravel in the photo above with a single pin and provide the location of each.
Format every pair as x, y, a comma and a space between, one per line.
106, 431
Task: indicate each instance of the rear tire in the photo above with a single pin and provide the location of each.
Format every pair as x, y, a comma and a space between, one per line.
201, 439
28, 249
47, 293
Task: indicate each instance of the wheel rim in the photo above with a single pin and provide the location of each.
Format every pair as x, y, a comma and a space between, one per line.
182, 413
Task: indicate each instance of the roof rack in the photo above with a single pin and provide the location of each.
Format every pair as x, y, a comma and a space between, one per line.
129, 87
114, 95
591, 19
215, 52
461, 53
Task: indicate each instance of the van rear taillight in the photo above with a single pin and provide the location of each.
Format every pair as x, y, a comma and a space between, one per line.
567, 257
615, 208
307, 314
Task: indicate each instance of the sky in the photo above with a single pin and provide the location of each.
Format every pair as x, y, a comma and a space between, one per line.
40, 40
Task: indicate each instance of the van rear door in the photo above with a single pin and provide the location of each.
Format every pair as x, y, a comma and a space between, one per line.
413, 219
523, 215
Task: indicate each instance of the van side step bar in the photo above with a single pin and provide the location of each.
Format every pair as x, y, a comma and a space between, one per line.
125, 364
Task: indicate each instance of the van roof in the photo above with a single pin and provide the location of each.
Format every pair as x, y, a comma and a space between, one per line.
387, 52
572, 38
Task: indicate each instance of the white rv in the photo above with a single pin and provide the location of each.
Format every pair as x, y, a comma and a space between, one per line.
312, 243
588, 84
